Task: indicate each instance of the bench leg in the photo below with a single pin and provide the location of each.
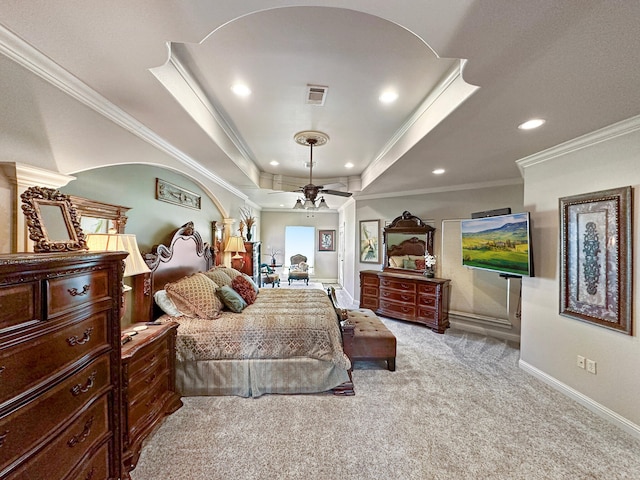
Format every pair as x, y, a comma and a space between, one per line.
391, 364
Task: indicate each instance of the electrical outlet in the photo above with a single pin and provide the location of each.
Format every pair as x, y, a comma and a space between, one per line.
580, 361
591, 366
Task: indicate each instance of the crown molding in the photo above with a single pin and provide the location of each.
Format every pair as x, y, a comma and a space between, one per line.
605, 134
36, 62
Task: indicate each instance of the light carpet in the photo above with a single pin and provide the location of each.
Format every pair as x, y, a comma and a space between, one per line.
458, 407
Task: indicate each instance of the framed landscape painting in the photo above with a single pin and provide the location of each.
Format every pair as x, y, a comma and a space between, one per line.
595, 258
370, 241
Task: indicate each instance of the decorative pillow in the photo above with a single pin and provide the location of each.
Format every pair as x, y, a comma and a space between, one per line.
195, 295
420, 265
231, 299
166, 304
410, 264
218, 276
245, 289
415, 257
253, 284
304, 266
397, 261
232, 272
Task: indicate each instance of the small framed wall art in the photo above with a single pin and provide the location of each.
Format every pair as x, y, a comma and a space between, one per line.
326, 240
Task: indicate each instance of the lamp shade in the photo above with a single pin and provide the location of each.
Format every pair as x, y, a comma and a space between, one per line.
120, 242
298, 205
235, 244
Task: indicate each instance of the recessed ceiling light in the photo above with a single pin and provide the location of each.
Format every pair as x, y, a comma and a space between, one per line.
388, 97
531, 124
241, 90
348, 165
274, 163
438, 171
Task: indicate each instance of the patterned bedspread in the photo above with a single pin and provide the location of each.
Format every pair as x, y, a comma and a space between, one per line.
282, 323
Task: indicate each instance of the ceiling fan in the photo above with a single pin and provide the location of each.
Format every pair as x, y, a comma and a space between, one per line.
311, 191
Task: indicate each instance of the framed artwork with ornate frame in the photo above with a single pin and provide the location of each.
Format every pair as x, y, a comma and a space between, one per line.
595, 258
370, 241
326, 240
52, 221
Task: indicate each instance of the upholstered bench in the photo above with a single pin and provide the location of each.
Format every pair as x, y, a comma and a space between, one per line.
365, 337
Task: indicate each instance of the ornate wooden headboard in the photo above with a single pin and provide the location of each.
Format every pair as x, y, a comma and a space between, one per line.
411, 246
185, 254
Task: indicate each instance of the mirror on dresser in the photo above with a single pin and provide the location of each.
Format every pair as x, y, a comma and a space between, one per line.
406, 241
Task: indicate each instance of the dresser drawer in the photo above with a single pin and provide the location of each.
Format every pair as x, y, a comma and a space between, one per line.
370, 280
67, 293
95, 468
149, 355
398, 310
398, 296
55, 352
30, 424
398, 285
369, 290
428, 314
140, 382
63, 454
20, 305
369, 302
427, 301
147, 405
427, 288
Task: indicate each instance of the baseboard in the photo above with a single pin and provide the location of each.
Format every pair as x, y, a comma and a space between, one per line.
600, 410
489, 332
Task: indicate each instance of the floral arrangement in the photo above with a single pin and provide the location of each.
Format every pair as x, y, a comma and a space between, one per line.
430, 260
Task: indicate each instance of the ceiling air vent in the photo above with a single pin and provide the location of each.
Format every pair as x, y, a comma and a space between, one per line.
316, 94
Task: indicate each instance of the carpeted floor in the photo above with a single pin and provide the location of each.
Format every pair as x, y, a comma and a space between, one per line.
458, 407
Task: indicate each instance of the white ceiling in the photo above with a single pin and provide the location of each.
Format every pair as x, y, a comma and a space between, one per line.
467, 73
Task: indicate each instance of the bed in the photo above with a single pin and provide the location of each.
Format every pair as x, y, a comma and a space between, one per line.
287, 341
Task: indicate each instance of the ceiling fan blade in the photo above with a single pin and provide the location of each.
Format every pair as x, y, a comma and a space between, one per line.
336, 192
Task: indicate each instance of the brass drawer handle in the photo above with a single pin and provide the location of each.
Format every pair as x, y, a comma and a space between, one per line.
152, 401
90, 474
407, 297
82, 436
150, 379
78, 389
75, 293
2, 369
73, 341
3, 437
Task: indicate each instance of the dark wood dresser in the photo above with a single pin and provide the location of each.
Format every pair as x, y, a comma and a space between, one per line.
407, 297
60, 383
148, 372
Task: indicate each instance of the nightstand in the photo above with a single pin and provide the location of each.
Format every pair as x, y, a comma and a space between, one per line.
148, 385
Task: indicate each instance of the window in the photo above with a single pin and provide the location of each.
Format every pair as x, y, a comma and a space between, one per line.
299, 240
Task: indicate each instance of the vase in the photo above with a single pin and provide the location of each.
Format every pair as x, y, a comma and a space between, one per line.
248, 235
429, 273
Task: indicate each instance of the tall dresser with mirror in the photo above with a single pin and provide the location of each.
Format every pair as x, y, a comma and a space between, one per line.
403, 290
60, 383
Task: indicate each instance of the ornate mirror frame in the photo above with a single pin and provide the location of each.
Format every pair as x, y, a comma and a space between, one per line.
113, 216
52, 221
406, 235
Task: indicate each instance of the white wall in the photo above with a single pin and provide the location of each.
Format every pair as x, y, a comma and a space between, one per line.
550, 342
272, 233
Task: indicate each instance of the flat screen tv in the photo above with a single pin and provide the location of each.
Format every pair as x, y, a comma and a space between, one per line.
500, 244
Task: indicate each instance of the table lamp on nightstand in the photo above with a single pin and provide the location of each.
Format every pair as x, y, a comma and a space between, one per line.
120, 242
236, 244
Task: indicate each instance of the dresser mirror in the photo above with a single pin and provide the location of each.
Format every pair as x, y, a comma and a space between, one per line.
52, 222
406, 241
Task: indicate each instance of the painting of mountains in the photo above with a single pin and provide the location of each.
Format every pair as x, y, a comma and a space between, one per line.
499, 244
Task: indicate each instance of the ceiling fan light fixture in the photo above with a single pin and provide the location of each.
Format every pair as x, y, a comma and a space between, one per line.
323, 205
298, 205
309, 204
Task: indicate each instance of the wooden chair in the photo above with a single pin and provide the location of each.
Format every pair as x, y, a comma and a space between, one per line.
268, 276
299, 269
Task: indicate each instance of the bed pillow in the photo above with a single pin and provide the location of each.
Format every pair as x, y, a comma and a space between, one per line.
245, 289
409, 264
232, 272
420, 265
397, 261
253, 284
166, 304
218, 276
195, 295
231, 299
